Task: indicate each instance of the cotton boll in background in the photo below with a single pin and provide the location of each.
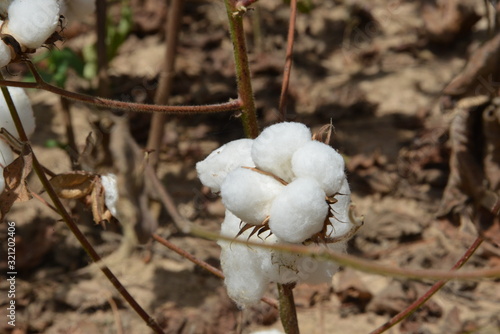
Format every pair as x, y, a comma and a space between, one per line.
249, 194
272, 150
6, 157
24, 110
244, 281
31, 22
322, 163
108, 182
299, 211
223, 160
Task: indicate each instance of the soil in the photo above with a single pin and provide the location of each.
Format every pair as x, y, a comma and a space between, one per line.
376, 70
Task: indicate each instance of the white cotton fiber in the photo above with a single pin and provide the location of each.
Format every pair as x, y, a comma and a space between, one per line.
322, 163
245, 283
299, 211
273, 149
6, 157
31, 22
340, 210
5, 54
223, 160
249, 194
24, 110
108, 182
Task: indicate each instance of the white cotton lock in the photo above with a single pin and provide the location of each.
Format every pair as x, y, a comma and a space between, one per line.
299, 211
31, 22
223, 160
249, 194
109, 184
322, 163
5, 54
24, 110
244, 280
273, 149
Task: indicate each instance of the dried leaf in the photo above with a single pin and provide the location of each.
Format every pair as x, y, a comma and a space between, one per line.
73, 185
15, 176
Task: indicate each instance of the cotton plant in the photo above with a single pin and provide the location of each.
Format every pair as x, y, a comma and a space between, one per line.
282, 187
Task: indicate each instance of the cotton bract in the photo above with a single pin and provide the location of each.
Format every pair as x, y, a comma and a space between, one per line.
6, 157
285, 197
24, 110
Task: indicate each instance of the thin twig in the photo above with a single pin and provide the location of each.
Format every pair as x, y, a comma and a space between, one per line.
426, 296
289, 58
202, 264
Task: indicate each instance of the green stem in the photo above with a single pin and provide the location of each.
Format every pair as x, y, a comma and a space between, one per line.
245, 92
288, 313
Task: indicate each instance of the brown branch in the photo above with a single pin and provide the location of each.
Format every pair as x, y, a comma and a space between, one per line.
288, 62
425, 297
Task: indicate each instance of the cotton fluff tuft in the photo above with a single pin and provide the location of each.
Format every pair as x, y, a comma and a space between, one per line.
24, 110
5, 54
223, 160
249, 194
244, 280
6, 157
321, 162
108, 182
31, 22
299, 211
272, 150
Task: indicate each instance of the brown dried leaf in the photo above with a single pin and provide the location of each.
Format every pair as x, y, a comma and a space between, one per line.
15, 176
73, 185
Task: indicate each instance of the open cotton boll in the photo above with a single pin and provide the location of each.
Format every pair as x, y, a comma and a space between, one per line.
108, 182
5, 54
272, 150
298, 211
249, 194
223, 160
24, 110
244, 281
341, 222
322, 163
31, 22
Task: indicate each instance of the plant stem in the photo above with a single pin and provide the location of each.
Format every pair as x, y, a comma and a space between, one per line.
288, 61
288, 313
166, 78
245, 92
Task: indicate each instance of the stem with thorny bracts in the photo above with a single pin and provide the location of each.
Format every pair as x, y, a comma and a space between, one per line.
69, 221
288, 313
288, 60
234, 105
426, 296
172, 29
245, 92
202, 263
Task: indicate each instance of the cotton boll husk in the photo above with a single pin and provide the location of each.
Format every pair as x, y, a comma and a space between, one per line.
31, 22
244, 280
341, 222
24, 110
109, 184
6, 157
298, 211
273, 149
322, 163
249, 194
223, 160
5, 54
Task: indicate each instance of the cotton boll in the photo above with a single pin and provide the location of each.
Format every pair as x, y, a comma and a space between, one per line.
273, 149
31, 22
321, 162
24, 110
341, 222
110, 192
299, 211
249, 194
223, 160
244, 281
5, 54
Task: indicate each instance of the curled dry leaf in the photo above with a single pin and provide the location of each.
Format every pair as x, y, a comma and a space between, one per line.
15, 175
